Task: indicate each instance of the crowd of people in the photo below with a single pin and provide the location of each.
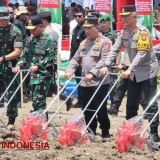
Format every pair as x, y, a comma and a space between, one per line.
96, 55
28, 40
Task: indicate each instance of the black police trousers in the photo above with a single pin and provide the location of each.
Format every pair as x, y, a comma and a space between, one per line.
102, 115
149, 87
119, 93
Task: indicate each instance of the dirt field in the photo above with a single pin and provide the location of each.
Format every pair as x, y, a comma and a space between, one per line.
88, 151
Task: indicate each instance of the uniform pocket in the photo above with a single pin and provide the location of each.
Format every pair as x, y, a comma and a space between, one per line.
134, 44
40, 52
125, 43
95, 56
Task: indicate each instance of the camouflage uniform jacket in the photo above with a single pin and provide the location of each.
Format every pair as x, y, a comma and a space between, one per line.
91, 56
111, 35
10, 38
39, 51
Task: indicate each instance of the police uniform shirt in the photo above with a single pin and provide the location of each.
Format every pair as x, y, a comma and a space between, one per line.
144, 64
91, 57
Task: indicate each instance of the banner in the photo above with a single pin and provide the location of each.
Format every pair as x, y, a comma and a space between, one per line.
48, 3
145, 13
56, 10
103, 6
7, 1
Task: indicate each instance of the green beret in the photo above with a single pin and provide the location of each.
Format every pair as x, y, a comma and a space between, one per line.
105, 18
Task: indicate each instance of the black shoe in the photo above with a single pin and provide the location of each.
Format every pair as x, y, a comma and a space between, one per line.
49, 94
63, 97
112, 111
31, 111
19, 104
77, 105
69, 104
155, 137
106, 138
105, 135
25, 99
11, 120
1, 104
146, 116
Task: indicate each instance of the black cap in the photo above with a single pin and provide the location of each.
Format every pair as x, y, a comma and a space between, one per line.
95, 14
73, 4
44, 14
33, 22
92, 10
125, 10
90, 21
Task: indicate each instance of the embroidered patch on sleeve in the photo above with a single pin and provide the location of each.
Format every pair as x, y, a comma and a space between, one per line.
108, 45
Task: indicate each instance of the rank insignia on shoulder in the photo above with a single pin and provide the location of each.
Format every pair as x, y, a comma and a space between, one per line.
143, 41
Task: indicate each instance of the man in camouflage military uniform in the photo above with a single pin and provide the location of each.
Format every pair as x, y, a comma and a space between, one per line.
11, 45
90, 56
143, 69
104, 24
38, 51
20, 20
50, 30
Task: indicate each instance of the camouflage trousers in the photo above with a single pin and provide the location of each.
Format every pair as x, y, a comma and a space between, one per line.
39, 92
5, 79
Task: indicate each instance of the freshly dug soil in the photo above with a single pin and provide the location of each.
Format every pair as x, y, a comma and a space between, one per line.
87, 151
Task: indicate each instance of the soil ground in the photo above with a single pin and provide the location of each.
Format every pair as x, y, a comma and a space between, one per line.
87, 151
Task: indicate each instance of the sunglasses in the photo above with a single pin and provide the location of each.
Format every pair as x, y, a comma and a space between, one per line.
77, 16
10, 12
